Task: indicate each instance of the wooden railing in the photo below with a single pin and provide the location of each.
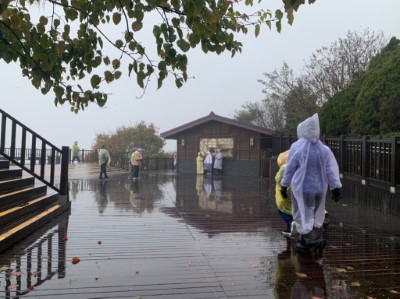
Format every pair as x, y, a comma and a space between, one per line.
372, 161
28, 150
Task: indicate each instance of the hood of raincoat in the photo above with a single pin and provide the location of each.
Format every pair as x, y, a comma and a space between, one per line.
309, 128
282, 158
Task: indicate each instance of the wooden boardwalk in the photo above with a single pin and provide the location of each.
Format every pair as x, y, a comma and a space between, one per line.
169, 236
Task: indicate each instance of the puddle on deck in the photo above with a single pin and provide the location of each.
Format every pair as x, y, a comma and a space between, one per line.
168, 236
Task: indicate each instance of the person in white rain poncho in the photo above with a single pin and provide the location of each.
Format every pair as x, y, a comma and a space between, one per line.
311, 167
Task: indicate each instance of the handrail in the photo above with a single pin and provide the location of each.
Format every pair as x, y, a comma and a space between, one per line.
14, 133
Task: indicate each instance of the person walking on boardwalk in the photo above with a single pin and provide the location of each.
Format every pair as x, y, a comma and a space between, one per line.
104, 161
218, 162
284, 205
75, 152
136, 162
199, 163
310, 168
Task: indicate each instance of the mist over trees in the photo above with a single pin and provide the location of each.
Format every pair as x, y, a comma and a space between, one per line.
289, 98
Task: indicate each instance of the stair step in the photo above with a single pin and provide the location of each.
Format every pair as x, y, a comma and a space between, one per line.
11, 184
13, 235
17, 196
34, 205
10, 173
4, 164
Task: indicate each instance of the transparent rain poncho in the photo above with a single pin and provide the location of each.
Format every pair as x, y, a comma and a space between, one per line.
311, 167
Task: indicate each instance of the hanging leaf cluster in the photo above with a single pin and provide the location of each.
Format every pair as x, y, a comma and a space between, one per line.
67, 50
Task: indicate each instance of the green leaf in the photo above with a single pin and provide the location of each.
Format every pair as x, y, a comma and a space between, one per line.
95, 81
257, 30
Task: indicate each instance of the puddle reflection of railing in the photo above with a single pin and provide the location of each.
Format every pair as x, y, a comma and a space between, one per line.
35, 260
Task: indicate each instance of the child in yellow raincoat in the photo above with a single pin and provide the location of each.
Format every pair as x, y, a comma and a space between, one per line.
284, 205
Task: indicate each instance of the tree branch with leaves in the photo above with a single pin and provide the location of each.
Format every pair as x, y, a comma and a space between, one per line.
69, 53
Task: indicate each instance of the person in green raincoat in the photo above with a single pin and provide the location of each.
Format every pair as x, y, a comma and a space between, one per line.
104, 161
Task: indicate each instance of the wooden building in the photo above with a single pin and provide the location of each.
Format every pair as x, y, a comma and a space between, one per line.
246, 148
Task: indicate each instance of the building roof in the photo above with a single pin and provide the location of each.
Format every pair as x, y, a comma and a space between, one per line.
174, 133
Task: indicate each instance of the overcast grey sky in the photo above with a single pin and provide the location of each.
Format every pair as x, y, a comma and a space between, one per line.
221, 84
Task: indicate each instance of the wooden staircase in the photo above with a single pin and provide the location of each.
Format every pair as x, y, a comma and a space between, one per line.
25, 204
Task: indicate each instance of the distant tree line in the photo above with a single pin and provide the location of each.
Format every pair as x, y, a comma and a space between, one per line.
354, 85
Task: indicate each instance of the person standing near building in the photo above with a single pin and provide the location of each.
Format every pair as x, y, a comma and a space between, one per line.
75, 152
310, 168
136, 162
104, 161
208, 163
199, 163
218, 162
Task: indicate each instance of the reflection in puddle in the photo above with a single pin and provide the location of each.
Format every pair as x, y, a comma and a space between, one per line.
35, 260
161, 231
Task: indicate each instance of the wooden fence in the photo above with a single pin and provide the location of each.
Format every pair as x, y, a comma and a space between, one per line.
374, 162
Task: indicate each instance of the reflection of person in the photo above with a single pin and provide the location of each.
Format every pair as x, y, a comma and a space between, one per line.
284, 205
102, 197
136, 198
310, 168
199, 163
104, 161
286, 270
298, 276
218, 189
218, 162
208, 163
136, 162
199, 183
175, 157
75, 152
207, 186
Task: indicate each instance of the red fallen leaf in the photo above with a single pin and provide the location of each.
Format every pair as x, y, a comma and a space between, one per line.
31, 287
65, 238
76, 260
36, 273
99, 242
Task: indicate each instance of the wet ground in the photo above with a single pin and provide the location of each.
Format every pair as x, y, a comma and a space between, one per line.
169, 236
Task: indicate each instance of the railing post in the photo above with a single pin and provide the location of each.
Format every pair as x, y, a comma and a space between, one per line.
341, 154
395, 164
364, 160
64, 171
83, 156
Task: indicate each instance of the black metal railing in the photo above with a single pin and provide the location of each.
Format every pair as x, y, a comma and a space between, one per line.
28, 150
375, 161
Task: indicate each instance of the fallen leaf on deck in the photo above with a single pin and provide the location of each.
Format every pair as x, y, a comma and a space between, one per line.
253, 265
394, 292
16, 273
65, 238
99, 242
301, 275
190, 264
315, 297
76, 260
340, 270
355, 284
337, 287
370, 297
12, 286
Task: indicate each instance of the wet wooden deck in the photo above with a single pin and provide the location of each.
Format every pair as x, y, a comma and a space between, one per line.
169, 236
